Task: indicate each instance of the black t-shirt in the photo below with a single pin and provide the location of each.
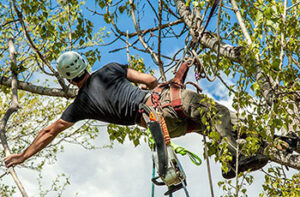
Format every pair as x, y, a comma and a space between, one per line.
108, 96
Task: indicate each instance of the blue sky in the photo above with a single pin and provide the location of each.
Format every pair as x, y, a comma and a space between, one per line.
126, 170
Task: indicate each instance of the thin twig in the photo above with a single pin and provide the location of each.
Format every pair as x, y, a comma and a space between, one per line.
42, 57
237, 147
297, 3
218, 33
153, 55
208, 167
127, 47
159, 33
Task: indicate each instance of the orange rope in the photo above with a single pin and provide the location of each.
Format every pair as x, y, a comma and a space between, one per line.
164, 128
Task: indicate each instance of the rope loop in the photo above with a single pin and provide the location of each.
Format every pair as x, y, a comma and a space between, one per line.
180, 150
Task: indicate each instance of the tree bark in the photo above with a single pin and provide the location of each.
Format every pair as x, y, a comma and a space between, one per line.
226, 50
13, 108
208, 40
233, 53
29, 87
284, 158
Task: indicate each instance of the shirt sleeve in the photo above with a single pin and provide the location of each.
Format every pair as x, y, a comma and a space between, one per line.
116, 70
69, 114
74, 112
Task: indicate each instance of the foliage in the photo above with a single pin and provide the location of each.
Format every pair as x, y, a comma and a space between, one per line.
6, 190
51, 27
56, 186
119, 133
276, 185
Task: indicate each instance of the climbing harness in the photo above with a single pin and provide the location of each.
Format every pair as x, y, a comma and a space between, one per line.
175, 85
170, 171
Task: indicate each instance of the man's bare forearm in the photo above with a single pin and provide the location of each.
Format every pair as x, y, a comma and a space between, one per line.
40, 142
143, 78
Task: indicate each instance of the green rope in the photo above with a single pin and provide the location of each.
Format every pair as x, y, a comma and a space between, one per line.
153, 175
180, 150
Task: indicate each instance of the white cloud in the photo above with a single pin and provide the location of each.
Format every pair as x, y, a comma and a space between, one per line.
126, 170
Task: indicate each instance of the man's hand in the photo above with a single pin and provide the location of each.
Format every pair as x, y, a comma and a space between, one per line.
13, 160
143, 86
41, 141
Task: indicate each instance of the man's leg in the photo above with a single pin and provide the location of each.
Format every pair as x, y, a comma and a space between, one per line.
200, 108
191, 102
196, 106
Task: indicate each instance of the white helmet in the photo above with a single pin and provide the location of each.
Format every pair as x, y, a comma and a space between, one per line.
70, 65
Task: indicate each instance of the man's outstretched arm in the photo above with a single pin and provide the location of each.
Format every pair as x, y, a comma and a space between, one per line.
143, 78
40, 142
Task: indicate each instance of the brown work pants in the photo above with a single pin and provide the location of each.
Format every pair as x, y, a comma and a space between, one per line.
195, 107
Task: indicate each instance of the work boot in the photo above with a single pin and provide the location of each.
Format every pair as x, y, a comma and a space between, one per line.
253, 163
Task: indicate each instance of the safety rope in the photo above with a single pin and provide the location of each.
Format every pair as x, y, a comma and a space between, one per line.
164, 128
208, 167
153, 175
183, 184
180, 150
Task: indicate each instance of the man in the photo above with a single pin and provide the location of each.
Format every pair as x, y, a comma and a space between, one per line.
108, 95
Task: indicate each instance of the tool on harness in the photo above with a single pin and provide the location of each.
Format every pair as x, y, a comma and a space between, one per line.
175, 177
165, 160
151, 120
169, 168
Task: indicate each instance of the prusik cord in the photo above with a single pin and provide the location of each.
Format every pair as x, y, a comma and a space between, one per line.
164, 128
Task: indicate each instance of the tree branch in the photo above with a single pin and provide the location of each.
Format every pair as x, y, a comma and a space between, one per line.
43, 58
297, 3
159, 33
154, 56
208, 40
284, 158
143, 32
13, 108
29, 87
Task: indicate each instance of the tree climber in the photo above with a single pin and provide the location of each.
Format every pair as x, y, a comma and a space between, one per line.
108, 95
